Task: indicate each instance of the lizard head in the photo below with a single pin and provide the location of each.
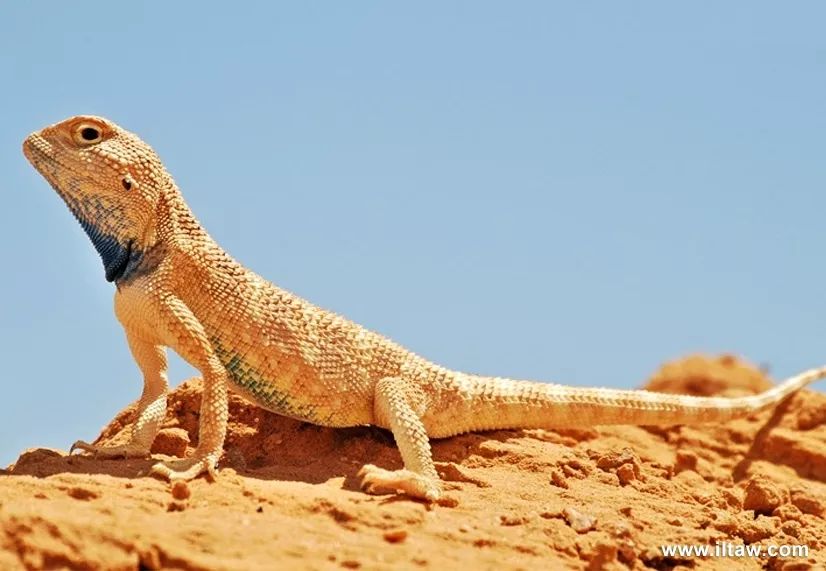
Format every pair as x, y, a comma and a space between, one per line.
111, 181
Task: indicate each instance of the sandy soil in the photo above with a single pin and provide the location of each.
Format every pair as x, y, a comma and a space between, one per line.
287, 496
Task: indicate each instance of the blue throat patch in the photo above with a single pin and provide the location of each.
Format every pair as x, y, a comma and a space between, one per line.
119, 260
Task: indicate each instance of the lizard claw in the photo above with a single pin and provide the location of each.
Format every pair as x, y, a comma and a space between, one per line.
186, 469
375, 480
82, 446
121, 451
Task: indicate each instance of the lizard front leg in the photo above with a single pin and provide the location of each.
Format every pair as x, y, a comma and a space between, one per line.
399, 405
151, 359
188, 338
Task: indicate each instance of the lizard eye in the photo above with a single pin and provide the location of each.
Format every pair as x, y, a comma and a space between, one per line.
87, 134
90, 134
127, 183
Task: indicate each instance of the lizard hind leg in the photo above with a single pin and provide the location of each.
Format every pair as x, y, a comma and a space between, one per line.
397, 406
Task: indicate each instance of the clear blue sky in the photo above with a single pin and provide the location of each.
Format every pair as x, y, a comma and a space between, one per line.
563, 191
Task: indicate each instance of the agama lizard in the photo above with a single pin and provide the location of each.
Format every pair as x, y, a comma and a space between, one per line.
176, 288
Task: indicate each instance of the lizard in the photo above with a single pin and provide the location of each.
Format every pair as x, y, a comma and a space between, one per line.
176, 288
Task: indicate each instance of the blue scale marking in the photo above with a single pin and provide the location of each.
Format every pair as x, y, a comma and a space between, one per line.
264, 393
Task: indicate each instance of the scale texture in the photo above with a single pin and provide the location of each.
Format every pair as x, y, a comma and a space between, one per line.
176, 288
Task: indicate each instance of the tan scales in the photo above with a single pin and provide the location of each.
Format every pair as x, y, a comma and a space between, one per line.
176, 288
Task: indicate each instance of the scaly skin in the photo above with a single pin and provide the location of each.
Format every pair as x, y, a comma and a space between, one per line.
176, 288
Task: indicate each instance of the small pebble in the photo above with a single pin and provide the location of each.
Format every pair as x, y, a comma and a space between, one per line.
558, 480
395, 535
763, 495
626, 474
579, 522
176, 506
180, 490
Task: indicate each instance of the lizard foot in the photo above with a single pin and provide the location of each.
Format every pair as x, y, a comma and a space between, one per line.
120, 451
375, 480
185, 469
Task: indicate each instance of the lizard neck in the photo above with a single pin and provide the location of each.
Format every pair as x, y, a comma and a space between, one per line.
176, 224
177, 229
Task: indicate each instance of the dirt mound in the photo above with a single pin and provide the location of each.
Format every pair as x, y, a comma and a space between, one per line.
287, 495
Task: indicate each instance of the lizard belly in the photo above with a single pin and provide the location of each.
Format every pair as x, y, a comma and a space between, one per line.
291, 387
282, 354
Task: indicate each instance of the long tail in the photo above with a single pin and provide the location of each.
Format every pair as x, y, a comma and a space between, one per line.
489, 403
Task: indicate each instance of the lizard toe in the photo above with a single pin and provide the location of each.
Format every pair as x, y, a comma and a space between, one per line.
375, 480
185, 469
120, 451
83, 447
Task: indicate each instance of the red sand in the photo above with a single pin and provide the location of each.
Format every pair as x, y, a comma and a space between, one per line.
287, 495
